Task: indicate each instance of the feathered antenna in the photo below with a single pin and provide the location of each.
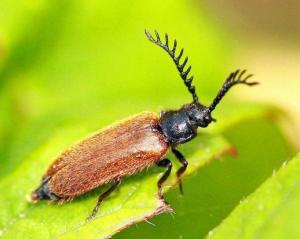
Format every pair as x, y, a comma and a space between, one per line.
180, 67
234, 78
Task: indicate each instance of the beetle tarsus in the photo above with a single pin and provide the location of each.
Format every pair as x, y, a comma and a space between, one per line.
102, 196
182, 169
167, 164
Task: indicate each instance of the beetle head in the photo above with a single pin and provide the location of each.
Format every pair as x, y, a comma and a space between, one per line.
199, 115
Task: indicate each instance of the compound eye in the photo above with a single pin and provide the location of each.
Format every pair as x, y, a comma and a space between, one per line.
207, 119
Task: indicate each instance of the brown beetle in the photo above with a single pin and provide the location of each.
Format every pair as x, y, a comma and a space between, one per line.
141, 141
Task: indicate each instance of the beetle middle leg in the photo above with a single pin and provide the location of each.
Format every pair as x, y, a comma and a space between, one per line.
104, 195
167, 164
182, 169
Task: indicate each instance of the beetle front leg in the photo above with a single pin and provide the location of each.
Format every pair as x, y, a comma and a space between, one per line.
102, 196
182, 169
167, 164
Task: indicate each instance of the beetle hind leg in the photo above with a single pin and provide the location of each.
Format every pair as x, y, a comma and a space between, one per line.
182, 169
102, 196
167, 164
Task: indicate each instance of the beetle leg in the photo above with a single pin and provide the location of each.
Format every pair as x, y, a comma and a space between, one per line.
167, 164
181, 170
102, 196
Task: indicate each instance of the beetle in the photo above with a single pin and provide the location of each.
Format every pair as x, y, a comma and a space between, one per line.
132, 145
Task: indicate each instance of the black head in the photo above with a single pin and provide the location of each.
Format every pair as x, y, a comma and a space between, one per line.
181, 125
199, 115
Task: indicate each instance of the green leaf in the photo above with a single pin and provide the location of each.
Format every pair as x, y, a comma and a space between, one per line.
71, 67
135, 201
216, 189
272, 211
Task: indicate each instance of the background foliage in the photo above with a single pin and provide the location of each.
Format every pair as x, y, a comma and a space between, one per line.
70, 67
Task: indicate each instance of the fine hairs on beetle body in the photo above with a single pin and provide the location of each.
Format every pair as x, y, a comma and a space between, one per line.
133, 144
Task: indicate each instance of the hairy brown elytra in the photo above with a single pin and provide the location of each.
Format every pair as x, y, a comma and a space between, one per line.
132, 145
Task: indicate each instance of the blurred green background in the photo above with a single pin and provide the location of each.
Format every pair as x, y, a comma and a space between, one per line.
85, 64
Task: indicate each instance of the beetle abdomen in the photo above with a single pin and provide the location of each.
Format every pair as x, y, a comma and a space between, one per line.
122, 149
